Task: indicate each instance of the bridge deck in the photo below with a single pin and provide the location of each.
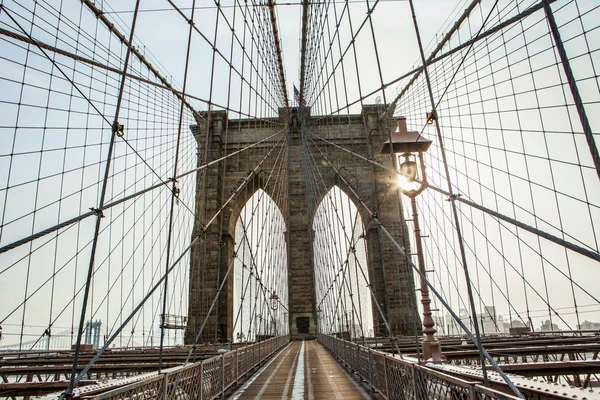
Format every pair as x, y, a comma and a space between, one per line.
303, 370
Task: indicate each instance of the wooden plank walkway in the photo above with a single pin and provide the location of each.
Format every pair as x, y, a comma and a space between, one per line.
303, 370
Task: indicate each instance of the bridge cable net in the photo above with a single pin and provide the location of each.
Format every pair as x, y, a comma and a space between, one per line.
507, 96
104, 149
108, 161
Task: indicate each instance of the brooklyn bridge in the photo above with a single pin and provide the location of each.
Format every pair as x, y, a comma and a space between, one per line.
326, 199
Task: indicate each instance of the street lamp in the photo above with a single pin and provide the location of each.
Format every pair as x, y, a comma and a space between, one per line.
274, 301
319, 315
274, 307
406, 143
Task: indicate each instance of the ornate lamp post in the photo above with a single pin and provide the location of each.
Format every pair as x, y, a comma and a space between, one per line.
319, 315
274, 307
274, 301
406, 143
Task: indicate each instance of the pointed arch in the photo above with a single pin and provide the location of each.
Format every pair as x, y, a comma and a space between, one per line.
258, 182
339, 179
340, 267
260, 280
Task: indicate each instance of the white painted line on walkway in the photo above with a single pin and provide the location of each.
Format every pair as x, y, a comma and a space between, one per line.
298, 392
309, 386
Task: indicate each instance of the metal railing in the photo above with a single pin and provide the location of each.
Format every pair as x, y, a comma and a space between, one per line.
203, 380
400, 379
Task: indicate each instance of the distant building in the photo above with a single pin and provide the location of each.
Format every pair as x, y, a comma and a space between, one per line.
515, 327
488, 321
452, 327
548, 327
587, 325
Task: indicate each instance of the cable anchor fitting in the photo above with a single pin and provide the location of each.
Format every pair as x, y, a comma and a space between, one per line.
431, 116
97, 212
453, 197
118, 129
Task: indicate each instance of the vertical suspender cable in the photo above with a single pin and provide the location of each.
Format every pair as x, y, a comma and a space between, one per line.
174, 190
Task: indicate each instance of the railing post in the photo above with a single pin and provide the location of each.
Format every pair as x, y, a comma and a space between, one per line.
357, 364
472, 392
246, 361
165, 392
222, 374
237, 369
387, 387
201, 379
370, 370
414, 382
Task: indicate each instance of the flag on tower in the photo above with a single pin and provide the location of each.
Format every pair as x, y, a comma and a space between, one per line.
297, 97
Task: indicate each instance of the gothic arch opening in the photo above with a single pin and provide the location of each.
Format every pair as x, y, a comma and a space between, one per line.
341, 275
260, 284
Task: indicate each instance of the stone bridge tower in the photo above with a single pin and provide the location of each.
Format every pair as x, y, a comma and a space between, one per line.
391, 280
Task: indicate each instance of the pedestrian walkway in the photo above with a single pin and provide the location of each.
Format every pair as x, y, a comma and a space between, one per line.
303, 370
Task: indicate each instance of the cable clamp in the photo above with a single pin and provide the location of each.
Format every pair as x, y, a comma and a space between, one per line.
118, 129
176, 192
431, 116
453, 197
374, 215
97, 212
